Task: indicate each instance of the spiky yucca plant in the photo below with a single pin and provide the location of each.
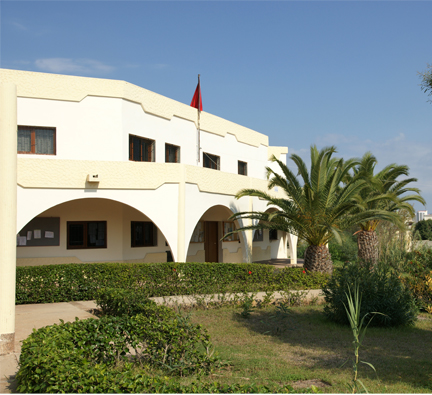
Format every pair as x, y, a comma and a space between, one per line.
317, 206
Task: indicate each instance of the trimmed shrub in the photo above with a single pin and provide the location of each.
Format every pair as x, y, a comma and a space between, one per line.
81, 356
70, 282
118, 302
381, 289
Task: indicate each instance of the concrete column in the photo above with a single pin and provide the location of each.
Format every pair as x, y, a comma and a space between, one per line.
292, 241
181, 218
8, 214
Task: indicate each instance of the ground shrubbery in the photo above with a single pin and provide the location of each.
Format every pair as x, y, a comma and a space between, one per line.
418, 277
69, 282
135, 353
382, 291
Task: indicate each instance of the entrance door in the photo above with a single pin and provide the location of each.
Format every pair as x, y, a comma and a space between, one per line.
211, 243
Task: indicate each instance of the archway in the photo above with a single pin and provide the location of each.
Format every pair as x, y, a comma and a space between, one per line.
205, 244
91, 230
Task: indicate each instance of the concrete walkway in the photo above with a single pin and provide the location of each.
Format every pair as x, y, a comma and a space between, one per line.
35, 316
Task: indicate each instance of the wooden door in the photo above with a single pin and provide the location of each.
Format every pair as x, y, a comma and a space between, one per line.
211, 242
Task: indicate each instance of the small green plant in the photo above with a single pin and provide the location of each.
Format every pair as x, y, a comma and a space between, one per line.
359, 332
283, 310
247, 305
293, 298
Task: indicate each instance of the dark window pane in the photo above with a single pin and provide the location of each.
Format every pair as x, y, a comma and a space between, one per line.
95, 234
44, 139
24, 140
258, 235
273, 234
211, 161
76, 234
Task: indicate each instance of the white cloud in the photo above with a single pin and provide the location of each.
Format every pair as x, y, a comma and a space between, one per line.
72, 66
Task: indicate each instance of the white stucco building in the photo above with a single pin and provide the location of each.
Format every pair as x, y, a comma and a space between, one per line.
108, 171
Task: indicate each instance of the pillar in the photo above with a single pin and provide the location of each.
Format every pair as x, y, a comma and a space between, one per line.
8, 214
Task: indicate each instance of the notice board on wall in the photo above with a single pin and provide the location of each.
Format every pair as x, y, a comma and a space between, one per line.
40, 231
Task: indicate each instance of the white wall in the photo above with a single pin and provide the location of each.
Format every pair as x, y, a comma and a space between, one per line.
98, 128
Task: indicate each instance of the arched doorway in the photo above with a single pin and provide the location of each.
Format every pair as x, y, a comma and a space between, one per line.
206, 245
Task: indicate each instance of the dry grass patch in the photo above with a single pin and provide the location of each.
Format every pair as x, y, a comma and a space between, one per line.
303, 346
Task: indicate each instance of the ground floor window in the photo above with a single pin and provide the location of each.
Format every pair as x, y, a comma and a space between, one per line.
86, 234
273, 234
143, 234
230, 227
258, 235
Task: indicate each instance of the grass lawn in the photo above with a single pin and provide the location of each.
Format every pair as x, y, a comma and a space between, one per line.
303, 345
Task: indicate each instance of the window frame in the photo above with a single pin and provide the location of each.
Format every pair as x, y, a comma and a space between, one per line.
258, 235
154, 235
235, 236
213, 159
272, 233
177, 153
33, 139
152, 151
85, 235
244, 164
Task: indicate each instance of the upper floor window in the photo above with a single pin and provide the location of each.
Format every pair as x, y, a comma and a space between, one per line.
172, 153
141, 149
211, 161
36, 140
242, 168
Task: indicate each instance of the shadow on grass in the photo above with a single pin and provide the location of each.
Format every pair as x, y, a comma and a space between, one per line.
399, 355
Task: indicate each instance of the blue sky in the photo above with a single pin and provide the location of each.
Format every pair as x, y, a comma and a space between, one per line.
338, 73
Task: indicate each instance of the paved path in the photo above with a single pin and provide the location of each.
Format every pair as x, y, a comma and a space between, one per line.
35, 316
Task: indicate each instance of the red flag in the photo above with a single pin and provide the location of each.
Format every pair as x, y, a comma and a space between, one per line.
196, 100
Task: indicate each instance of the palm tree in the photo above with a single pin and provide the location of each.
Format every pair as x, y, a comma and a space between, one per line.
315, 210
384, 192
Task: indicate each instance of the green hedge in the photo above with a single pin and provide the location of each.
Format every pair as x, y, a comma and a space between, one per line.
69, 282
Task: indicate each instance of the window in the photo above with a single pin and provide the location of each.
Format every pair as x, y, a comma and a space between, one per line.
86, 234
230, 227
143, 234
141, 150
258, 235
242, 168
172, 153
211, 161
273, 234
36, 140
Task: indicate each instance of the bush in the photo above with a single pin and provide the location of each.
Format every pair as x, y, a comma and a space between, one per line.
424, 228
84, 356
382, 291
70, 282
118, 302
418, 278
347, 251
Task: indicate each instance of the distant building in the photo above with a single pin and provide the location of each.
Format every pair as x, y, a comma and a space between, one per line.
422, 215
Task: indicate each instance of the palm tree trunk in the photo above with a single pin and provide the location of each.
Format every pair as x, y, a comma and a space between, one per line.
318, 259
367, 242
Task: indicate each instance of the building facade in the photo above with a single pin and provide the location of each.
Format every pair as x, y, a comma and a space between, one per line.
108, 171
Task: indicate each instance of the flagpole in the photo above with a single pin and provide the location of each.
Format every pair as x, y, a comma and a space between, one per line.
199, 112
